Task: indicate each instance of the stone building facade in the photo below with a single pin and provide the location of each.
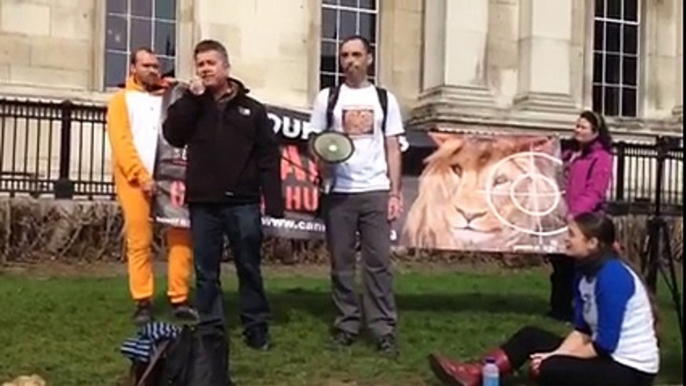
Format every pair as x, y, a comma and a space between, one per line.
466, 64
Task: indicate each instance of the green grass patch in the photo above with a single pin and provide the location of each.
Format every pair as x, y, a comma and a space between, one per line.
69, 329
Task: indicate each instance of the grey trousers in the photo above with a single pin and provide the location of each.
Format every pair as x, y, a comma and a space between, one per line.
345, 216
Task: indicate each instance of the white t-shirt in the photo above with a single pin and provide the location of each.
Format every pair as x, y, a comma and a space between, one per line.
358, 113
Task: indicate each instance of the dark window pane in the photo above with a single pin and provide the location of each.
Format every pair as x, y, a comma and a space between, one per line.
348, 3
141, 8
611, 107
612, 37
334, 2
629, 102
614, 9
328, 23
629, 71
368, 4
328, 61
165, 38
166, 64
368, 26
116, 65
630, 39
598, 98
612, 68
371, 71
116, 6
631, 10
117, 38
600, 8
141, 33
598, 35
326, 81
348, 25
165, 9
598, 68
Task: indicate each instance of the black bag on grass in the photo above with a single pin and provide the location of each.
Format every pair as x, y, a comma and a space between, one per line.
197, 356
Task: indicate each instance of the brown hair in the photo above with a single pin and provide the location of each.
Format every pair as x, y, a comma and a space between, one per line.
598, 125
600, 227
134, 53
211, 45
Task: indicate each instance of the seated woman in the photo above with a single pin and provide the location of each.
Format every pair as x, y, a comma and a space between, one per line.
614, 341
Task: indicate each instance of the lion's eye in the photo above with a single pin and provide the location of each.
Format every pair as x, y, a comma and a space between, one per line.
500, 180
458, 170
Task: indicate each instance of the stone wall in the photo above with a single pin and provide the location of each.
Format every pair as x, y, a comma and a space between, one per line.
47, 43
524, 64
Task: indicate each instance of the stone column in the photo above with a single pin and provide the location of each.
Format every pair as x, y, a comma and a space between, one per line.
545, 44
679, 105
455, 41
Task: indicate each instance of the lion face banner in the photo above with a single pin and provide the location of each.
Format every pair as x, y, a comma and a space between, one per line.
498, 192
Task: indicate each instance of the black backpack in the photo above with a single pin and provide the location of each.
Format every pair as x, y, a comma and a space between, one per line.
197, 356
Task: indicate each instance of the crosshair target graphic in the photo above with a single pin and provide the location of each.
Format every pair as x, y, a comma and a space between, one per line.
535, 179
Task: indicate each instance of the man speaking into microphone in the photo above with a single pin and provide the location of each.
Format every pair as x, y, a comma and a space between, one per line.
233, 159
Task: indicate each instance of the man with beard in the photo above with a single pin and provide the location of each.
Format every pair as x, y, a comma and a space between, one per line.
133, 126
233, 159
364, 197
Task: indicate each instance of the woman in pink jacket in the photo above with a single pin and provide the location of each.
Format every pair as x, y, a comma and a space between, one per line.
588, 171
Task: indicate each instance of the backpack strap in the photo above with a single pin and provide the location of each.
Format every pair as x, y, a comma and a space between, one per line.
331, 104
161, 348
383, 101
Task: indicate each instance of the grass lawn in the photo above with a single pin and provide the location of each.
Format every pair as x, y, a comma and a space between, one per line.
68, 328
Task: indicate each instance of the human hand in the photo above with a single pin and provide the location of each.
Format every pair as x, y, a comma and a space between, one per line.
395, 207
196, 86
148, 187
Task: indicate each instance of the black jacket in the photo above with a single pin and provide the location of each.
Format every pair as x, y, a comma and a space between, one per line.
233, 155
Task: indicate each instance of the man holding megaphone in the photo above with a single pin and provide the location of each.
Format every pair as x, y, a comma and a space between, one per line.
358, 149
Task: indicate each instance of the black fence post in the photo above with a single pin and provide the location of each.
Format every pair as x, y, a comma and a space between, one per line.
64, 187
621, 164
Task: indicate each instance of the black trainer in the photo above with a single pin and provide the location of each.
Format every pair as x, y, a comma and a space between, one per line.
257, 339
143, 313
184, 311
341, 338
387, 346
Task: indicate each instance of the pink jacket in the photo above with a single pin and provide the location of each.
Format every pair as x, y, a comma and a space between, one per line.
587, 179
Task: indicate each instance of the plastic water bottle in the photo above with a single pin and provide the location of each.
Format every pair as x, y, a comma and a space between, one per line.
490, 373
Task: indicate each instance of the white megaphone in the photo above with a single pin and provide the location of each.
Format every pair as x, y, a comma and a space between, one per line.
332, 147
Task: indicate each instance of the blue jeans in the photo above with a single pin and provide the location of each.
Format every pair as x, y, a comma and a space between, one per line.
243, 226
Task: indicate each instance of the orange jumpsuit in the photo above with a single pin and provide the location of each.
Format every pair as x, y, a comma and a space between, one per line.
133, 126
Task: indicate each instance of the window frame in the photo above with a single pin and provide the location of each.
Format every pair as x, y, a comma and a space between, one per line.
621, 84
375, 12
105, 14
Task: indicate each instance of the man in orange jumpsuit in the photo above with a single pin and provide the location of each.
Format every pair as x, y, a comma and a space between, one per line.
133, 125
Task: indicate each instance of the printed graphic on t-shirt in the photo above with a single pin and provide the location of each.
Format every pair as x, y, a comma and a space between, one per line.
358, 120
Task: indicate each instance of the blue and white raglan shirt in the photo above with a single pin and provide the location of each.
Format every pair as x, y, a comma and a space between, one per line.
614, 309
